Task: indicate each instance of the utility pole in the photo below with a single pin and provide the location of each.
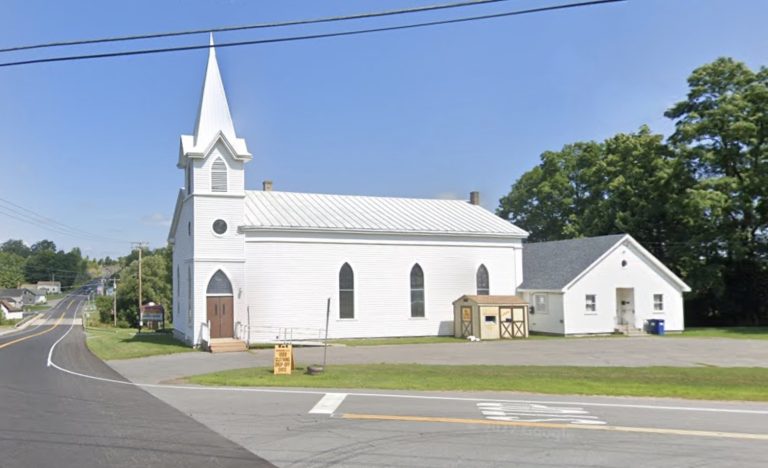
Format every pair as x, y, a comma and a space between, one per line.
114, 300
140, 246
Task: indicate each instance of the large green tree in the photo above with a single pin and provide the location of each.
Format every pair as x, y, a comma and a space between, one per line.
628, 183
11, 270
698, 201
16, 246
721, 131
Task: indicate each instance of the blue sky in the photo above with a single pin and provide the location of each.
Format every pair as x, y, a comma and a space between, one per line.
434, 112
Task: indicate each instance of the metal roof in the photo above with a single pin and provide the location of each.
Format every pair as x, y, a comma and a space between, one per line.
552, 265
491, 300
351, 213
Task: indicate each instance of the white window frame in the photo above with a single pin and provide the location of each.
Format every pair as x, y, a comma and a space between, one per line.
537, 306
590, 303
658, 303
219, 176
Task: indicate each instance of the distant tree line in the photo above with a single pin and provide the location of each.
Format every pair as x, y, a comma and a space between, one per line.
20, 264
698, 200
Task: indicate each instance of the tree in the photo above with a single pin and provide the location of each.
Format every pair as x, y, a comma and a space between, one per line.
156, 286
629, 183
721, 130
699, 201
43, 245
11, 270
17, 247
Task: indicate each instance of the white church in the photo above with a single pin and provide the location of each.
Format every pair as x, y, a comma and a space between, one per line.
265, 263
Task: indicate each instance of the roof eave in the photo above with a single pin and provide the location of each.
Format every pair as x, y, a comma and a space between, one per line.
195, 152
245, 229
176, 216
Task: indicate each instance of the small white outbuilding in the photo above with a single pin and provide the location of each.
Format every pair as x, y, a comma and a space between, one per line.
598, 285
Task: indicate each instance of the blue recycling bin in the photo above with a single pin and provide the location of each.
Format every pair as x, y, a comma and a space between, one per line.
659, 327
653, 325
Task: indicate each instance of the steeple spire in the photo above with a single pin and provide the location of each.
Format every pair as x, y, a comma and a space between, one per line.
213, 115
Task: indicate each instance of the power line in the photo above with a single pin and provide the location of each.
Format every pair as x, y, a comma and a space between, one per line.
22, 213
328, 19
312, 36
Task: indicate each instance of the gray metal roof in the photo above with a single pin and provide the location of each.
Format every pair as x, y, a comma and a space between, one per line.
552, 265
288, 210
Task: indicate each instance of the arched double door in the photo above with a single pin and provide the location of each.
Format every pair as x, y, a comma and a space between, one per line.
220, 306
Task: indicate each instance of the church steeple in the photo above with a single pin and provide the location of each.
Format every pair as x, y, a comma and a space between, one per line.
214, 122
213, 115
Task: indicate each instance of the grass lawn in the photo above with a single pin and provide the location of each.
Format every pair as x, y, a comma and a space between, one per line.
746, 333
38, 307
691, 382
125, 343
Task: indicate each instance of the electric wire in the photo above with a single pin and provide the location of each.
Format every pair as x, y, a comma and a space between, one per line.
311, 36
20, 213
328, 19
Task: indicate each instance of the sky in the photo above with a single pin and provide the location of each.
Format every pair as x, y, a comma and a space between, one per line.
429, 113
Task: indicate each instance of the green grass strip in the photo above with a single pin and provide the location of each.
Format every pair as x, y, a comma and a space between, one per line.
691, 382
126, 343
744, 333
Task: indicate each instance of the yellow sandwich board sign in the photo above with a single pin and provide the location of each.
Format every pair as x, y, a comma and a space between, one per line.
283, 359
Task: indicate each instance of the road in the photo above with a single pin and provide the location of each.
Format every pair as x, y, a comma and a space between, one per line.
80, 412
50, 418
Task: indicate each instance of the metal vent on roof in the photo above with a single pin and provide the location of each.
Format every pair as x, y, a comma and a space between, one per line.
219, 176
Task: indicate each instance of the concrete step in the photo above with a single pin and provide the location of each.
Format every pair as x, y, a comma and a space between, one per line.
630, 331
227, 345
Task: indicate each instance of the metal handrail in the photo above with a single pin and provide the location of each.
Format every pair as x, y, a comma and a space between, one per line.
205, 333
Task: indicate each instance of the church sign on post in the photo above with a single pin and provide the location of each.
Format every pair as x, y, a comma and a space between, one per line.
283, 359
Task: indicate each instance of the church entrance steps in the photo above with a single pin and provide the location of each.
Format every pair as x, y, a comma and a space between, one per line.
227, 345
630, 331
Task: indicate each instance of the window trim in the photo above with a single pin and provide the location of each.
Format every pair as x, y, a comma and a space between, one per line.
590, 306
659, 303
483, 291
213, 227
416, 268
347, 290
536, 308
219, 171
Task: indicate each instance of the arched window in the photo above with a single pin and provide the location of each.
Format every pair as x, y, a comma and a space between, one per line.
219, 285
483, 286
346, 292
417, 291
219, 176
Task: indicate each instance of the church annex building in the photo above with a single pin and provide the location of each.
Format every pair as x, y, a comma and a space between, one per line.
268, 261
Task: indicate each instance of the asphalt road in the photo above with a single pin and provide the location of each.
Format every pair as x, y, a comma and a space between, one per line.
51, 418
79, 412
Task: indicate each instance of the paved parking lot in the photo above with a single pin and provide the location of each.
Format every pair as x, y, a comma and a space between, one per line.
613, 352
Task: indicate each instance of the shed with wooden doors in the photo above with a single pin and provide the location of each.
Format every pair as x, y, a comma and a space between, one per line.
490, 317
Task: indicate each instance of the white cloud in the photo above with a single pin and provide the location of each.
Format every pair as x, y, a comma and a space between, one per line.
448, 196
156, 219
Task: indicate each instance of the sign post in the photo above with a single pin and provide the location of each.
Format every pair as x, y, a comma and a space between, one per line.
325, 344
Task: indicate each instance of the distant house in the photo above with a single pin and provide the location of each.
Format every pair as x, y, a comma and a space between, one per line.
18, 297
50, 287
598, 285
40, 294
9, 311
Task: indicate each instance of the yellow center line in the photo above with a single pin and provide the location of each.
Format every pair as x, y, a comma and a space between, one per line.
646, 430
23, 338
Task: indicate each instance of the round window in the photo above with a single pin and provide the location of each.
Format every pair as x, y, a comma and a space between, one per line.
219, 226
